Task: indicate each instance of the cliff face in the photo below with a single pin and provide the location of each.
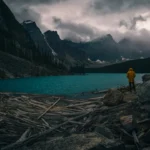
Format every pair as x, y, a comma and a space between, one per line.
11, 29
70, 51
104, 48
13, 37
37, 36
15, 40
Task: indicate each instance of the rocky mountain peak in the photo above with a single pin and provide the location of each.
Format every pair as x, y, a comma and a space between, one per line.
53, 35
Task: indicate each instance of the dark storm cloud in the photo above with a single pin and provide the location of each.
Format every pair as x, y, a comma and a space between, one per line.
22, 10
69, 35
135, 20
86, 19
81, 29
123, 23
31, 2
132, 24
28, 14
109, 6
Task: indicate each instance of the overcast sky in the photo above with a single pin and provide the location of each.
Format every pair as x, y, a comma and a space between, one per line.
87, 19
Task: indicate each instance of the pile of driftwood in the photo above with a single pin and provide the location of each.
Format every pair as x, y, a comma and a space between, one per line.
24, 119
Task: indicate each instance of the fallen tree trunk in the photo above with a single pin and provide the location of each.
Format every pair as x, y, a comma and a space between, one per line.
49, 108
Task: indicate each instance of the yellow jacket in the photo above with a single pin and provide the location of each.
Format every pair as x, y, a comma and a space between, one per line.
131, 75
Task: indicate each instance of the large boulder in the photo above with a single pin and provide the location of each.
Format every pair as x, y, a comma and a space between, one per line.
113, 97
144, 91
146, 77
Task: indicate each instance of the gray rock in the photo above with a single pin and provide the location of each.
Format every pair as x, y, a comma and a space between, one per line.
113, 97
146, 78
143, 91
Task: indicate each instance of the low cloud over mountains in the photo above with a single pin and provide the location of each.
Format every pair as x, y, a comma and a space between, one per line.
87, 19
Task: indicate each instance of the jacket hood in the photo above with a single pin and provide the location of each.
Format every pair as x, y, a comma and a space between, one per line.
130, 69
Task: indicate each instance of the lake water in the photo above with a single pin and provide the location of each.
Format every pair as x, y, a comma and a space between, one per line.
65, 85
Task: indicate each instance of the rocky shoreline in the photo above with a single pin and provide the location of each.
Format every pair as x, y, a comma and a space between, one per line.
119, 120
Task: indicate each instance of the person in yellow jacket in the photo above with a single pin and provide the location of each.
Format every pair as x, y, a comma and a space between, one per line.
131, 75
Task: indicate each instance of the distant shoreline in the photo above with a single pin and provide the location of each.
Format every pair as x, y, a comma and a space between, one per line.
69, 74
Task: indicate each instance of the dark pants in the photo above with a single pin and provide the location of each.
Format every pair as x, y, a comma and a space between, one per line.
132, 86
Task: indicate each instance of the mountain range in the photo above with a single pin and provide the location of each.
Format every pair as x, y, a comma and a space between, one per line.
139, 65
104, 48
72, 52
134, 49
48, 50
16, 41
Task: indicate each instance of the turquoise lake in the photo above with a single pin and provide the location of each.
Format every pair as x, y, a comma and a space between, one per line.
65, 85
